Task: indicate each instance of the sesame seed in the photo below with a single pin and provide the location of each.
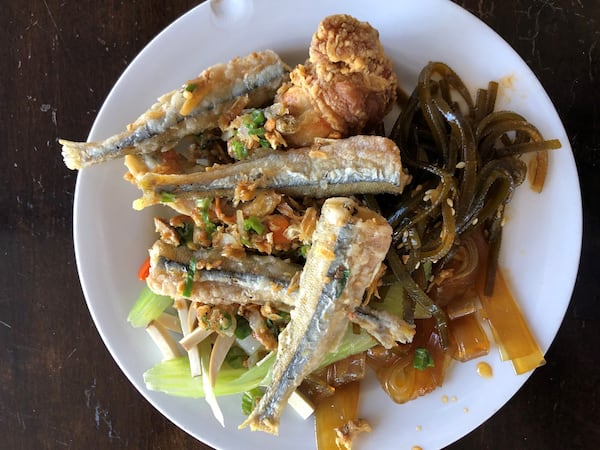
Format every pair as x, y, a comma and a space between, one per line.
461, 165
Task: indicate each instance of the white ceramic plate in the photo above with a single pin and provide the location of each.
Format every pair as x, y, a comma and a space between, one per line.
111, 239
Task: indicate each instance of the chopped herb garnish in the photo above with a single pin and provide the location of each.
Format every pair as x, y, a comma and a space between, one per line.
189, 278
250, 399
304, 249
258, 117
285, 316
253, 223
167, 197
204, 205
236, 357
239, 150
242, 329
191, 87
225, 322
256, 131
205, 321
264, 143
422, 359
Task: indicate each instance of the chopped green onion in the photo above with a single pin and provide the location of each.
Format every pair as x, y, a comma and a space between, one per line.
239, 150
191, 87
148, 307
422, 359
264, 143
235, 357
203, 205
304, 249
250, 399
256, 131
253, 223
225, 322
167, 197
242, 330
258, 117
205, 321
189, 279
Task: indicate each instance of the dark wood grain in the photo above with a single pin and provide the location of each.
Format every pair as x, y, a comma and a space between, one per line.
60, 388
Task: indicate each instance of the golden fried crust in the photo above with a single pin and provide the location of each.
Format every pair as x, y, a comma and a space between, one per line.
348, 77
344, 44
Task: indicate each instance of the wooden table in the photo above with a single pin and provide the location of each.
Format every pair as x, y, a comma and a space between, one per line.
59, 386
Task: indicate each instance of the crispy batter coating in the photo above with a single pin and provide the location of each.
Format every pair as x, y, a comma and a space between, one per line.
347, 85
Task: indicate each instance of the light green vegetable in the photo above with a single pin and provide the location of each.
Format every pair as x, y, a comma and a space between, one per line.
173, 376
189, 278
167, 197
250, 399
203, 205
253, 223
148, 307
351, 344
394, 303
423, 359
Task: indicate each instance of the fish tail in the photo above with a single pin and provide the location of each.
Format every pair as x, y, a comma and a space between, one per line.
73, 153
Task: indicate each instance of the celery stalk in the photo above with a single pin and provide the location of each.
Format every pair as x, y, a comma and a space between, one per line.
173, 376
148, 307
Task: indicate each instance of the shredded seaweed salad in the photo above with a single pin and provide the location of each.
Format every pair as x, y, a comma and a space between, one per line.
441, 272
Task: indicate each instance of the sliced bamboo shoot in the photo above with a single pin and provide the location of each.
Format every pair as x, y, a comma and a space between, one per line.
189, 341
169, 321
302, 405
209, 394
163, 340
219, 351
182, 311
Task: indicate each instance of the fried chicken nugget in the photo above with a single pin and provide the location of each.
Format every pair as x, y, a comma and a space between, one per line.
347, 85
